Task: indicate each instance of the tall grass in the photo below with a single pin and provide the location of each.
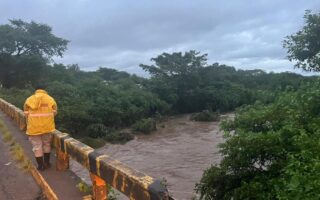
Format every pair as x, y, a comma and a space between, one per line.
15, 149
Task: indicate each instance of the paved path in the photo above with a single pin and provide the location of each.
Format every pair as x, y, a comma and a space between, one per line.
15, 183
63, 183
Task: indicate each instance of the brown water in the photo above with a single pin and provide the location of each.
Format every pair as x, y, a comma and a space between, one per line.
178, 152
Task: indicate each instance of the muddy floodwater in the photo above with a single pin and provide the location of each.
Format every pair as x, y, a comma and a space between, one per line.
178, 151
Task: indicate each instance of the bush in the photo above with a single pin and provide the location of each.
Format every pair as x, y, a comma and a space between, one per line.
96, 130
15, 96
270, 151
145, 126
93, 142
206, 116
117, 137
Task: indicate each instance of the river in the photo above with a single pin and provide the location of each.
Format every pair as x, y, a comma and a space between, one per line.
178, 151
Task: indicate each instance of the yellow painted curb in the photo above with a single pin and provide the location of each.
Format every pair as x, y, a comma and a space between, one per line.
88, 197
46, 189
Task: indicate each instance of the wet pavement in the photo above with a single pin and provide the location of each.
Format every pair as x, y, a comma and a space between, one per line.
15, 183
63, 183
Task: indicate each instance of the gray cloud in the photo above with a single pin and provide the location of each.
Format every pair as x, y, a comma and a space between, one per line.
122, 34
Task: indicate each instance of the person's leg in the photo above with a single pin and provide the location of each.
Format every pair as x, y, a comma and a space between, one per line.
46, 140
36, 142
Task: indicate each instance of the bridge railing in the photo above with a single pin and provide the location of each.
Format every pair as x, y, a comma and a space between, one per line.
103, 169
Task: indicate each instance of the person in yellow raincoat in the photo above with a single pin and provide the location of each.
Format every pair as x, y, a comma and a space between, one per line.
40, 110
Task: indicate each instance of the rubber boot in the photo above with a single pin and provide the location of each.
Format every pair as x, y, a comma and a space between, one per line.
40, 163
47, 160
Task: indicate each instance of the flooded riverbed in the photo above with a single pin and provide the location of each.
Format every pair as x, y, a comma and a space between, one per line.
178, 151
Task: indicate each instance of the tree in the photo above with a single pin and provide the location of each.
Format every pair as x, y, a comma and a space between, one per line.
23, 38
109, 74
270, 151
176, 64
25, 49
21, 71
175, 77
304, 46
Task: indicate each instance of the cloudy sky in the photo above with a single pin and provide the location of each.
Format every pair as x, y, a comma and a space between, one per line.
121, 34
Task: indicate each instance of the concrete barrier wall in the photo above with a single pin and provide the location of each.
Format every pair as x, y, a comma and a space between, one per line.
132, 183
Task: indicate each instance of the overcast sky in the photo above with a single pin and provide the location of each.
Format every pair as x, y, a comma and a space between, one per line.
121, 34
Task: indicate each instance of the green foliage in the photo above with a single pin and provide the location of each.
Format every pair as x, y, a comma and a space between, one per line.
84, 188
112, 74
23, 38
87, 105
93, 142
304, 46
87, 189
16, 150
89, 98
189, 84
92, 102
206, 116
96, 130
176, 64
25, 49
145, 125
270, 151
21, 71
118, 137
112, 194
15, 96
175, 76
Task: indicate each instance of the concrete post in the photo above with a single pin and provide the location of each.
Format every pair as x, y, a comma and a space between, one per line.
62, 161
99, 189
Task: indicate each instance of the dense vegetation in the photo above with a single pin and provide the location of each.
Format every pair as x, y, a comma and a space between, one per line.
272, 149
94, 105
88, 104
303, 46
189, 84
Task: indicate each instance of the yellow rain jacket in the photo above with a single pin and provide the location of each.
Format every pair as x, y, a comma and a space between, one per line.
40, 110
